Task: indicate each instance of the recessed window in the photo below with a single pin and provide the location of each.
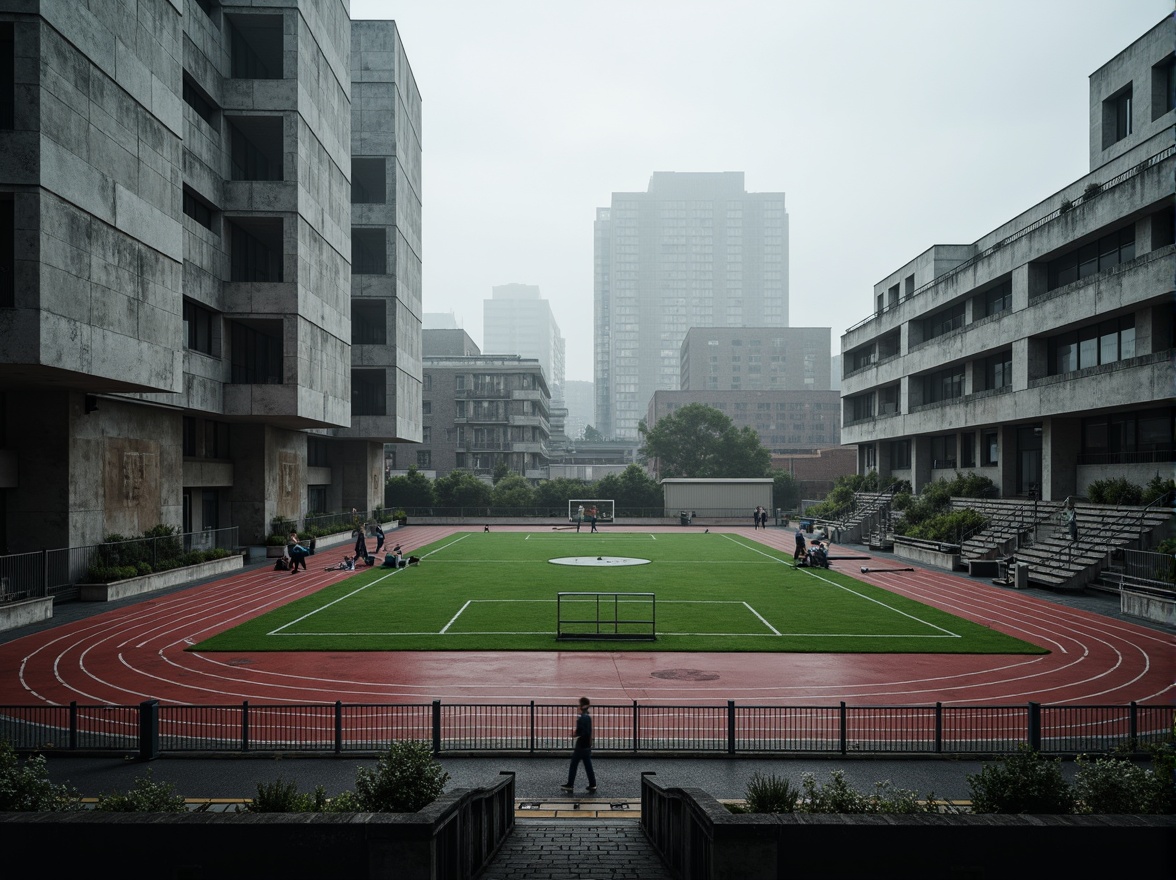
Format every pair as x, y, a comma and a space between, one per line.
424, 458
201, 328
998, 371
317, 452
255, 43
1103, 343
368, 395
426, 408
199, 208
369, 181
943, 322
943, 451
1163, 88
255, 249
994, 300
7, 251
1117, 117
900, 453
199, 100
944, 385
257, 353
255, 147
991, 449
1091, 258
368, 325
368, 253
7, 76
968, 450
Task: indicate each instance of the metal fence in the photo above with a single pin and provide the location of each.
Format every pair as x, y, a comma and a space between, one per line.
56, 573
151, 729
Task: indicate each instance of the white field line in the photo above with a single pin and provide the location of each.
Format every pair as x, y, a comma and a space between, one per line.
453, 619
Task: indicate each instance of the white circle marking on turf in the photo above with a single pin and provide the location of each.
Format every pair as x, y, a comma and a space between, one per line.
598, 560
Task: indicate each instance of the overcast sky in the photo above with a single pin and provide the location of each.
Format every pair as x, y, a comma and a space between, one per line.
890, 125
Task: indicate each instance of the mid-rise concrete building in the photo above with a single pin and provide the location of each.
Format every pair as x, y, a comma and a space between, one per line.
755, 359
184, 340
479, 411
1041, 355
786, 421
694, 250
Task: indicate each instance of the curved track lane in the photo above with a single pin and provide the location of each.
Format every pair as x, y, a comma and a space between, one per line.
137, 652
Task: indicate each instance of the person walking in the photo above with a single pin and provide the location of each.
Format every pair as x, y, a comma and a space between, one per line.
592, 518
579, 516
378, 531
361, 544
582, 751
755, 517
798, 554
296, 552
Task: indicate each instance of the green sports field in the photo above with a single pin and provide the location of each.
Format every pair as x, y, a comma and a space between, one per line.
501, 591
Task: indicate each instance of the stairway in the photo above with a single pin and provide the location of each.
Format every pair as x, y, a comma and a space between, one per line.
576, 849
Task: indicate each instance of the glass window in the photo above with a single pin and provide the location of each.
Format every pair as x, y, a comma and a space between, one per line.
967, 450
368, 396
991, 446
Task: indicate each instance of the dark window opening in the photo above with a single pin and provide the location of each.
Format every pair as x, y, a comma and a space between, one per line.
256, 147
317, 454
368, 322
994, 300
1102, 343
368, 254
1163, 88
944, 385
200, 328
943, 322
199, 209
990, 448
368, 396
196, 98
998, 371
888, 400
7, 76
1116, 117
256, 46
257, 353
900, 454
943, 451
189, 437
216, 439
369, 184
255, 249
967, 450
1091, 258
7, 251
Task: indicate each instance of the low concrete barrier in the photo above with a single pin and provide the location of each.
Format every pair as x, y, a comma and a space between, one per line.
160, 580
941, 555
22, 612
1161, 609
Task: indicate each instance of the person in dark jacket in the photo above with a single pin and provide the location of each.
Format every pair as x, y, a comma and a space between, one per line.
378, 531
798, 554
582, 750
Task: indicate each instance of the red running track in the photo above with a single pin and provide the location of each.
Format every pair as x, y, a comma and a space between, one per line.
137, 652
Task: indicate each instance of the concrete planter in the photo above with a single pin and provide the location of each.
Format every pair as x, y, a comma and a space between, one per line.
157, 581
25, 611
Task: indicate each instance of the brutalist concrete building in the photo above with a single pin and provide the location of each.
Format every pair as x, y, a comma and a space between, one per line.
210, 252
1041, 355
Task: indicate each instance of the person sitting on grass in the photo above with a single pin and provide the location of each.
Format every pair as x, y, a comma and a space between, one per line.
348, 564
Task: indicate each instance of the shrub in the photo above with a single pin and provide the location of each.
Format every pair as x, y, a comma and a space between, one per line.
1157, 487
25, 785
1021, 783
771, 794
1117, 786
1115, 490
147, 796
405, 779
104, 574
952, 527
838, 796
282, 796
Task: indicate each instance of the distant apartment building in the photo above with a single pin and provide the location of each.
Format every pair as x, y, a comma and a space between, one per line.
578, 399
479, 411
1041, 355
786, 421
517, 320
211, 265
694, 250
755, 359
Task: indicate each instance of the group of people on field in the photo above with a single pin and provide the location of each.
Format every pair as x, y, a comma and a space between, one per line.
814, 554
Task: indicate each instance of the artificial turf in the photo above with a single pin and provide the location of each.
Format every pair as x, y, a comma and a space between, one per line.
716, 592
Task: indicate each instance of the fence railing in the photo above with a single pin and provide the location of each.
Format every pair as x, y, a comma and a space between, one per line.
55, 573
151, 729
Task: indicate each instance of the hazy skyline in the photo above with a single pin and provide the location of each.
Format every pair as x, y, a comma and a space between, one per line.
890, 127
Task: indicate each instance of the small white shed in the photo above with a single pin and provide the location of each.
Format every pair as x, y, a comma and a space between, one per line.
717, 497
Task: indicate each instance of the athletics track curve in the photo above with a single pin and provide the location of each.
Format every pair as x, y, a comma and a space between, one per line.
137, 652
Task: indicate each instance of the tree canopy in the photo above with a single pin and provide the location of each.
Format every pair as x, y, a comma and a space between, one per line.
461, 488
631, 488
700, 441
413, 489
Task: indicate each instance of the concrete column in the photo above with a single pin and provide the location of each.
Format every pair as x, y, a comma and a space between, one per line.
1007, 463
1021, 282
361, 469
1061, 442
920, 463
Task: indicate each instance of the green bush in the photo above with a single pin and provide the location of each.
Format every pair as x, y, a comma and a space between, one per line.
143, 568
1118, 786
405, 779
771, 794
105, 574
1157, 487
952, 527
147, 796
1115, 490
25, 786
838, 796
283, 796
1021, 783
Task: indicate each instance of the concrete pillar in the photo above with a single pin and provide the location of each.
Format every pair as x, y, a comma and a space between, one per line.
1061, 442
361, 469
920, 463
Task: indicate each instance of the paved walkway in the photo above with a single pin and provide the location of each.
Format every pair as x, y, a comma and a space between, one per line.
558, 849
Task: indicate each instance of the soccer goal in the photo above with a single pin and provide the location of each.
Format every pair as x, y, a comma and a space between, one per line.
606, 616
603, 508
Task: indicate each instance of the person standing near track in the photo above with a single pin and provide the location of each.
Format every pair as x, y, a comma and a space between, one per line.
378, 531
361, 543
579, 516
582, 751
592, 517
799, 552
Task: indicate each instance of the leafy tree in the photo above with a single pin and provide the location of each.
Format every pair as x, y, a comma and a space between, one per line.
558, 492
501, 471
513, 491
461, 488
631, 488
25, 785
699, 441
414, 489
785, 491
592, 435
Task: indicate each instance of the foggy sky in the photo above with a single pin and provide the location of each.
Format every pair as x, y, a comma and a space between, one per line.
890, 125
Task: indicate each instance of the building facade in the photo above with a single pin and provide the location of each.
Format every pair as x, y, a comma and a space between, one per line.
1041, 355
478, 411
176, 225
755, 359
517, 320
694, 250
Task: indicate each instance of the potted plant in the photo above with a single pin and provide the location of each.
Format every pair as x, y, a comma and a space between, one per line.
400, 516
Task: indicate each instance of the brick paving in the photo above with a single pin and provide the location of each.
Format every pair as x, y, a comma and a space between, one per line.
576, 849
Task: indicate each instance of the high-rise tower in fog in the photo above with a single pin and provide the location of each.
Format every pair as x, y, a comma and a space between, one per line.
694, 250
